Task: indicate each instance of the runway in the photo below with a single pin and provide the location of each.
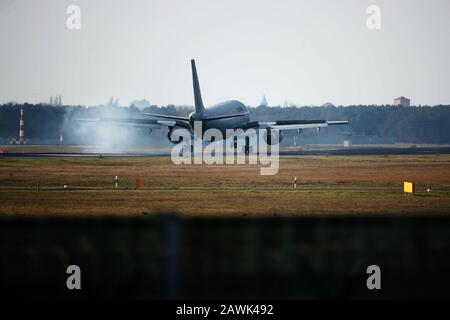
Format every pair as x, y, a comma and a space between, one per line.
311, 151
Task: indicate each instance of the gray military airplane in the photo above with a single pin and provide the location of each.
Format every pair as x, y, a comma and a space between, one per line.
226, 115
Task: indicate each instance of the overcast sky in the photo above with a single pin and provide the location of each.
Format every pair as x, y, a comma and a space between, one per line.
304, 52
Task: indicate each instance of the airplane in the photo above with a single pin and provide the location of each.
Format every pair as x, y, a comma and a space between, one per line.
231, 114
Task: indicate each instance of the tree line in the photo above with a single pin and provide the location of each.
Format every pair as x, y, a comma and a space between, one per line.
387, 123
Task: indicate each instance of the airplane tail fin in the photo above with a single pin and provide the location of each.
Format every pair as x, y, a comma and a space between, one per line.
197, 94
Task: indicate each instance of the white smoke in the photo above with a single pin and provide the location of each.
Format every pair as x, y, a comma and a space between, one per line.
140, 104
98, 128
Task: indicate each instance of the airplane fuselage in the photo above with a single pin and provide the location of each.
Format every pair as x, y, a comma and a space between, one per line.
227, 107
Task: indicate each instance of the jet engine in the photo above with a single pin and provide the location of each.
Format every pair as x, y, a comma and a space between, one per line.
271, 135
176, 139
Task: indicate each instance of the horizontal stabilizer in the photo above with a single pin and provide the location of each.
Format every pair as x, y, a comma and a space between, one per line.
165, 116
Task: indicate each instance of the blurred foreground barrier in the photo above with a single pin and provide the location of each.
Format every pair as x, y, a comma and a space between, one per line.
173, 257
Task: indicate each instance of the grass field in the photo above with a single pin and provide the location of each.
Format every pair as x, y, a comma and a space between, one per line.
327, 186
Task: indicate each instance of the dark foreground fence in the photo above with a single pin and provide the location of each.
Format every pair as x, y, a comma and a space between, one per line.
273, 258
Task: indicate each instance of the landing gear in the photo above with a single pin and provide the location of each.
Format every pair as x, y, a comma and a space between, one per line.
246, 145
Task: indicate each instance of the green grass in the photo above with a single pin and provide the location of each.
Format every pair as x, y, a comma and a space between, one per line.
231, 190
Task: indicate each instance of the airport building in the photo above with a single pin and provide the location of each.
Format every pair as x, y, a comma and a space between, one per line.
402, 102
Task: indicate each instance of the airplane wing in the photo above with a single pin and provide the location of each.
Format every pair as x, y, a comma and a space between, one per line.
166, 116
292, 124
227, 116
138, 122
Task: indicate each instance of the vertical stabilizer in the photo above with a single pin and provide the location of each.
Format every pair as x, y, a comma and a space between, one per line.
199, 108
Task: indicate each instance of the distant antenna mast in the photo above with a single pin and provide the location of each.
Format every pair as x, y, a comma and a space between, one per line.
21, 130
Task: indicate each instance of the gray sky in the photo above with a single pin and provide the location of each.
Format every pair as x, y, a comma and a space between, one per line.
305, 52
